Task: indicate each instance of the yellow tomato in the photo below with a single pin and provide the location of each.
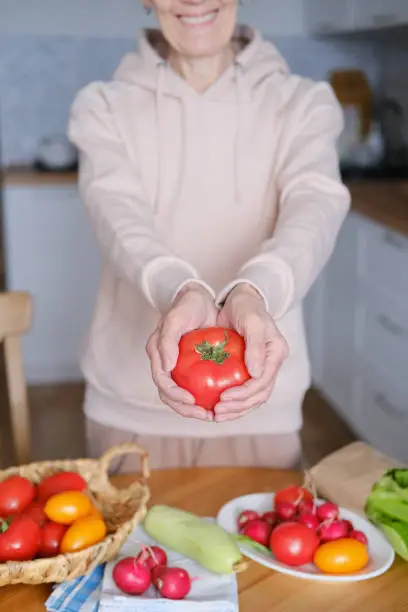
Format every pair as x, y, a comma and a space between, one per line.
95, 513
65, 508
343, 556
85, 532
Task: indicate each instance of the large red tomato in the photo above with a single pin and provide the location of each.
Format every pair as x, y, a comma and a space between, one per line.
294, 544
210, 361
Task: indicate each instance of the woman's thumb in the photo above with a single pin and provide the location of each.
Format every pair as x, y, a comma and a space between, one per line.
255, 352
169, 344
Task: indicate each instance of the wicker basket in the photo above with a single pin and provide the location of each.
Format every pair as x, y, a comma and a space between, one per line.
122, 509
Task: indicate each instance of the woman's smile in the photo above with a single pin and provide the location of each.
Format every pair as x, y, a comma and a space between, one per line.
199, 21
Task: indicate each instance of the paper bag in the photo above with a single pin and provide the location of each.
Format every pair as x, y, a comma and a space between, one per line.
346, 477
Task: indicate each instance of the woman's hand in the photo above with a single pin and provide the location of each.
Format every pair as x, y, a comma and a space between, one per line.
193, 308
266, 350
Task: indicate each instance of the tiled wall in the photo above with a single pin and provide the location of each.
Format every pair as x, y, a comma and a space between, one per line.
40, 75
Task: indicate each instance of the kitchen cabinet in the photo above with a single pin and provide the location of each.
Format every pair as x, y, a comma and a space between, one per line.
377, 14
334, 16
328, 16
50, 252
313, 314
358, 333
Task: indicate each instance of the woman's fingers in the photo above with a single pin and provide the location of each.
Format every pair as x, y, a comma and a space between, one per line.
163, 380
255, 349
186, 410
237, 406
276, 353
248, 389
169, 338
232, 416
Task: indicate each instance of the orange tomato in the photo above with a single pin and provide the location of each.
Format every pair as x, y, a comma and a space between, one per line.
85, 532
95, 513
343, 556
65, 508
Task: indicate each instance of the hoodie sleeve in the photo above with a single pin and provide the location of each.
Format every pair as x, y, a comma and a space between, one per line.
313, 203
110, 186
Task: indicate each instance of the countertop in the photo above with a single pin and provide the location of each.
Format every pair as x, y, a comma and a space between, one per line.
204, 491
29, 177
383, 201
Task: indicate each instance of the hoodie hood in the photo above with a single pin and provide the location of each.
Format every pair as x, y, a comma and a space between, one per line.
256, 62
258, 59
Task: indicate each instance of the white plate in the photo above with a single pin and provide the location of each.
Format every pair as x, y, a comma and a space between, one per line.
381, 552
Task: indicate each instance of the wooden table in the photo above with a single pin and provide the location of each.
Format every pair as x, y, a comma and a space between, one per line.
204, 491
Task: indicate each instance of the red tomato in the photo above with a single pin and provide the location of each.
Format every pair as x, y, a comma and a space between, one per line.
293, 543
293, 494
60, 483
210, 361
20, 540
35, 511
16, 493
51, 536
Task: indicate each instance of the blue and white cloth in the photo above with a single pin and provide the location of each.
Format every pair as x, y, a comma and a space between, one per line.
98, 592
78, 595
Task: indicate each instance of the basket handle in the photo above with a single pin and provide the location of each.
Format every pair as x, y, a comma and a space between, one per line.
126, 449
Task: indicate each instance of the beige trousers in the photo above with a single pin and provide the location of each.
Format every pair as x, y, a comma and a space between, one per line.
273, 451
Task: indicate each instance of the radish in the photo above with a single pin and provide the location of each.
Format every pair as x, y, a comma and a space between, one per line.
349, 525
328, 511
359, 536
259, 531
245, 517
173, 583
152, 556
156, 572
332, 530
270, 517
306, 506
131, 577
286, 510
309, 519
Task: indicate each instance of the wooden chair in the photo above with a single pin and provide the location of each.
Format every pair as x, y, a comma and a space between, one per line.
15, 320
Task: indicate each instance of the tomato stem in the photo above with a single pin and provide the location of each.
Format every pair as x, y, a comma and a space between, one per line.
213, 352
3, 525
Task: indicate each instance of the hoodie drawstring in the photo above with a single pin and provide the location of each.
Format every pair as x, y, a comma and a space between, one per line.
239, 119
159, 195
160, 135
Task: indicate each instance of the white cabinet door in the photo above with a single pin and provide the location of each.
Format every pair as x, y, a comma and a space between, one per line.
382, 413
373, 14
51, 252
326, 16
339, 316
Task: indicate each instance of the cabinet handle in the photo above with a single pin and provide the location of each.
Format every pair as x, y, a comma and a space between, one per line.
398, 242
384, 19
389, 409
390, 326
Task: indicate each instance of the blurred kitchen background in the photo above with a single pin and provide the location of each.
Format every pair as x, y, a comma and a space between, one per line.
357, 312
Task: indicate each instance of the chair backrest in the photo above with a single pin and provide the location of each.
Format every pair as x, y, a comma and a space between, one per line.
16, 312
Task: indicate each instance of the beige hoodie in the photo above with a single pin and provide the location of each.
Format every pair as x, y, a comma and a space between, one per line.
239, 183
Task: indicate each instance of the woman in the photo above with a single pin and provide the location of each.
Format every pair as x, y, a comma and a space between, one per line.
211, 178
